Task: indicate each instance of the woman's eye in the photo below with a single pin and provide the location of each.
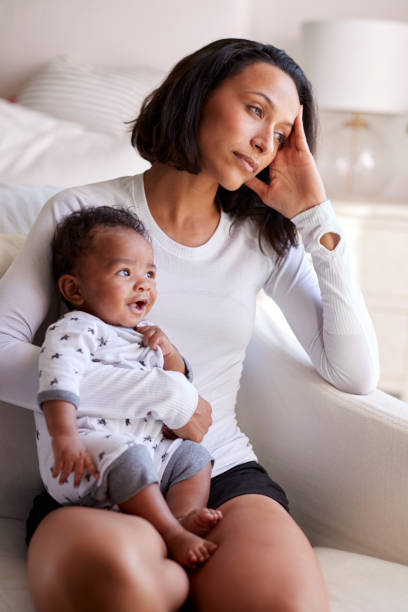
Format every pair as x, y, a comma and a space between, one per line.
123, 273
257, 110
281, 138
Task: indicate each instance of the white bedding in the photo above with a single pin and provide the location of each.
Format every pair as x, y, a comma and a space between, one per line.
102, 99
54, 139
38, 149
68, 130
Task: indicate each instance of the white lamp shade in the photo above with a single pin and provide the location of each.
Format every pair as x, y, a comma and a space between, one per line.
357, 64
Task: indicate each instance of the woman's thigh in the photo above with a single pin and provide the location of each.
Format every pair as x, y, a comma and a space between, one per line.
264, 563
86, 559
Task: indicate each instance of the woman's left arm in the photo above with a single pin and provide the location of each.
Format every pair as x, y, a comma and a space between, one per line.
323, 303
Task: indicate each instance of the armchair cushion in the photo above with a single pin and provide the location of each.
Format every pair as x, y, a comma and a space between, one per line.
357, 583
14, 593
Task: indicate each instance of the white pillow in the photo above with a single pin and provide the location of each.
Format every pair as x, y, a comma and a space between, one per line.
99, 98
10, 244
20, 205
36, 149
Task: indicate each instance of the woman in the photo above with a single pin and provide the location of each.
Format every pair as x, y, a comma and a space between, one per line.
229, 135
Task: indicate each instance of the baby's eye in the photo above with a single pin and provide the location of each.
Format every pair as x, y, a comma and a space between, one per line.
123, 272
257, 110
150, 274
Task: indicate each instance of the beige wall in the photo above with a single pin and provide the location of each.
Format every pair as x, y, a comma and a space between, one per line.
159, 32
109, 32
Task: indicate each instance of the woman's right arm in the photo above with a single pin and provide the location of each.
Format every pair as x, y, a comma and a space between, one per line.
26, 293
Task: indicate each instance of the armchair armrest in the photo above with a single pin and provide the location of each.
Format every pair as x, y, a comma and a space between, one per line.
342, 458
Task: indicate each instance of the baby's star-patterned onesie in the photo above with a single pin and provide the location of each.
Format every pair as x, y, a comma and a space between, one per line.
129, 453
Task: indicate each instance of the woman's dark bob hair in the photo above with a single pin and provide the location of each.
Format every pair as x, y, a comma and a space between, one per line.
167, 127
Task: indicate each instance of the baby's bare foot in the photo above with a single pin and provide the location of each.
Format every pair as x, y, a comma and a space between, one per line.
187, 548
201, 520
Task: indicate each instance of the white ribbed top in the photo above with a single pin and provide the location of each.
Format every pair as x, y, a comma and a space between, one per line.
206, 304
170, 246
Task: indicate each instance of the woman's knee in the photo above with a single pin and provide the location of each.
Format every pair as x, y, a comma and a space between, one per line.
87, 559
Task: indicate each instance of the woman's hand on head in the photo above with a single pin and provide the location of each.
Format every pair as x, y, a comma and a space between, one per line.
295, 182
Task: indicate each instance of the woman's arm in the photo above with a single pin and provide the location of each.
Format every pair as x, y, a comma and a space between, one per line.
26, 292
324, 305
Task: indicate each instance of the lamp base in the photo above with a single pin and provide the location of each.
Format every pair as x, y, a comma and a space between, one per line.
354, 160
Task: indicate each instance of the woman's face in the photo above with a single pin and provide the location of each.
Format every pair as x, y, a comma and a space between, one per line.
245, 121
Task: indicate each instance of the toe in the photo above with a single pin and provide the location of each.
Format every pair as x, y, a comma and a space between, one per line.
203, 554
211, 547
192, 558
216, 516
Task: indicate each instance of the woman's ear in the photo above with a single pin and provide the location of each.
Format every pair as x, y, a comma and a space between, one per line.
69, 287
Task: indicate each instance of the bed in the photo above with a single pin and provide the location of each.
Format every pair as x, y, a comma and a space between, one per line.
341, 458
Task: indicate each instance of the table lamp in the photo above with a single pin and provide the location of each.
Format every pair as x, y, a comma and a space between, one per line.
357, 66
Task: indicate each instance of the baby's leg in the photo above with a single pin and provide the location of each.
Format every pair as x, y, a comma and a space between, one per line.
187, 500
186, 486
185, 547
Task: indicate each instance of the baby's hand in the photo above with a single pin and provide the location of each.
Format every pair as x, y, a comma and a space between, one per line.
154, 337
70, 455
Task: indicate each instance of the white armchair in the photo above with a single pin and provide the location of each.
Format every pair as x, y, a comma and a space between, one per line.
342, 459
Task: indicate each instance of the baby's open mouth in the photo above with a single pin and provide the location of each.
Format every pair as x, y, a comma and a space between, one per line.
139, 305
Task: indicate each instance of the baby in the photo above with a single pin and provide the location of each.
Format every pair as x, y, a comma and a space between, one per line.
104, 266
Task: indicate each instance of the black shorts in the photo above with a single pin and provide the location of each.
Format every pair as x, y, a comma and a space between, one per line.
243, 479
240, 480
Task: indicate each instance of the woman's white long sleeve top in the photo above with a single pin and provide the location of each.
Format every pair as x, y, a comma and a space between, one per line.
206, 304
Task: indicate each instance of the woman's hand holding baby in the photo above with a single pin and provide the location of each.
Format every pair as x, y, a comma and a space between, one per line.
295, 182
199, 424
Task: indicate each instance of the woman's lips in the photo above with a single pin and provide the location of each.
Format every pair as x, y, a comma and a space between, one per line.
250, 164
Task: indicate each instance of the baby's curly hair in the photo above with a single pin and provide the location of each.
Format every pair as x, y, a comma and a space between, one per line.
73, 235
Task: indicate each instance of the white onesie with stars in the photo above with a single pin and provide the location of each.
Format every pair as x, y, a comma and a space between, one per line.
74, 345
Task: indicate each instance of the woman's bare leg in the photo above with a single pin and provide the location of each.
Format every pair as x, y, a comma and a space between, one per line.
263, 563
84, 559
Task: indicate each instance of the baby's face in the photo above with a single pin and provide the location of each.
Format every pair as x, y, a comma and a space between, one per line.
117, 278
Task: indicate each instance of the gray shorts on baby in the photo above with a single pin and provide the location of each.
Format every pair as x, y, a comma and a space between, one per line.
134, 470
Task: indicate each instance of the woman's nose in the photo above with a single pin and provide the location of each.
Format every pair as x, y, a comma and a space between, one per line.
264, 142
